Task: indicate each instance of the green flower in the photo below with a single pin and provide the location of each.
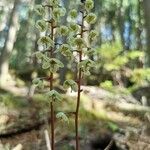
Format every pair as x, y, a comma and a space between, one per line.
39, 10
52, 64
79, 42
63, 12
46, 41
90, 52
93, 35
62, 116
39, 55
73, 13
70, 40
45, 65
58, 12
72, 84
73, 27
85, 65
91, 18
63, 30
54, 2
41, 25
55, 65
89, 4
54, 96
38, 83
65, 50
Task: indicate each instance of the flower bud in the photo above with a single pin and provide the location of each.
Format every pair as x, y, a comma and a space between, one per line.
39, 10
73, 14
46, 41
91, 18
41, 25
93, 35
63, 30
89, 4
73, 27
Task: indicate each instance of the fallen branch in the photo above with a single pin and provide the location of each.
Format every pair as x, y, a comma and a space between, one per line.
128, 108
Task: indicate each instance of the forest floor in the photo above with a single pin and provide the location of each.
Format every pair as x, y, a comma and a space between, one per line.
104, 117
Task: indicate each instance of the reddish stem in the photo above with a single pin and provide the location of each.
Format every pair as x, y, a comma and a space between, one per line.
51, 88
79, 90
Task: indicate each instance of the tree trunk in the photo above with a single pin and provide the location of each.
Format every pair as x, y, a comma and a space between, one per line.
146, 4
120, 20
140, 26
9, 43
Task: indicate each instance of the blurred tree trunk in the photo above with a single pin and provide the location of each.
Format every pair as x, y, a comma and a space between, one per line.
129, 20
9, 43
140, 26
146, 4
120, 19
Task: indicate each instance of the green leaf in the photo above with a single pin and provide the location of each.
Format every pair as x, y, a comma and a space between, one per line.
140, 75
135, 54
72, 84
89, 4
53, 95
73, 13
62, 116
41, 25
107, 85
114, 127
91, 18
39, 10
46, 41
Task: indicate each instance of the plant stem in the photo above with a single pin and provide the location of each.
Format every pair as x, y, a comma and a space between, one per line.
51, 88
79, 90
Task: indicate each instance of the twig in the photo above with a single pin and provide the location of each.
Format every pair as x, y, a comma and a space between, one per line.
47, 139
109, 145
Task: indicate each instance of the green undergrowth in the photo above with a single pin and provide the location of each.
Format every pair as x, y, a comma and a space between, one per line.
11, 101
90, 119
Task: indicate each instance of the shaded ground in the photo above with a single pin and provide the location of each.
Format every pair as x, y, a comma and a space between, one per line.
23, 122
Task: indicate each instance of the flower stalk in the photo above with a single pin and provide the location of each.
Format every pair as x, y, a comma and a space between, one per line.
79, 81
